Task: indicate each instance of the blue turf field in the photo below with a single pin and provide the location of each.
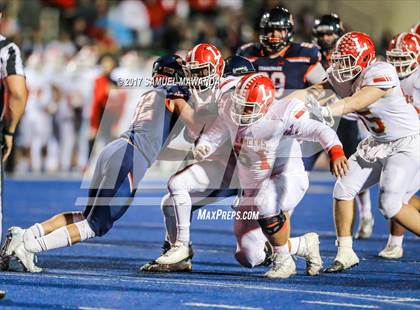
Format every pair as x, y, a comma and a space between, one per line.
103, 273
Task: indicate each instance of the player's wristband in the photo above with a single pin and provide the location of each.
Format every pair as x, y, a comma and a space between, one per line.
336, 152
8, 133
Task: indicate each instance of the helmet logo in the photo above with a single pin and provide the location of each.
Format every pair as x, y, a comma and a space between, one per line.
265, 96
359, 48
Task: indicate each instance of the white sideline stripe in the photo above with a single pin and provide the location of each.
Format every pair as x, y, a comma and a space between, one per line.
202, 305
92, 308
142, 201
339, 304
93, 276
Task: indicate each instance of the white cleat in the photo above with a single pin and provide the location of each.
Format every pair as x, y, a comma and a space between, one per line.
26, 259
391, 252
346, 258
365, 229
14, 240
177, 253
313, 259
283, 267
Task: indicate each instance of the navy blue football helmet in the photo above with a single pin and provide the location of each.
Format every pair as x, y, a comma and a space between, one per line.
169, 66
237, 66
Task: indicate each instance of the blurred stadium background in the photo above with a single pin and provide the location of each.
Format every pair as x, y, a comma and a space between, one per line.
68, 45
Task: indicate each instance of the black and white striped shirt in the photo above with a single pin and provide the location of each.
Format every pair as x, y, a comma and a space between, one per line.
10, 64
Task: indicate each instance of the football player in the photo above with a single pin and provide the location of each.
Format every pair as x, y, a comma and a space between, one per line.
371, 89
213, 179
254, 121
404, 54
327, 30
208, 181
290, 65
119, 169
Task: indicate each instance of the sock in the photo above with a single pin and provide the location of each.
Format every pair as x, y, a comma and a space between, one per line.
345, 241
395, 240
182, 201
59, 238
37, 230
84, 230
298, 246
170, 223
281, 249
364, 205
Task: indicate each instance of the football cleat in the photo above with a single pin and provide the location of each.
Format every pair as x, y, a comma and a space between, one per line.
269, 255
4, 263
346, 258
183, 266
391, 252
4, 259
2, 294
26, 259
313, 258
283, 267
13, 241
365, 229
165, 248
177, 253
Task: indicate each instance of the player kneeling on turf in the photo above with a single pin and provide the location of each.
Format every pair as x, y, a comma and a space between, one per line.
255, 122
119, 169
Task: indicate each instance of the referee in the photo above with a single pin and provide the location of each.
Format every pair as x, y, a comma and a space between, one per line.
13, 95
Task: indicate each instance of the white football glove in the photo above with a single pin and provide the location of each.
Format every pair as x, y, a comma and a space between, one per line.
322, 113
202, 151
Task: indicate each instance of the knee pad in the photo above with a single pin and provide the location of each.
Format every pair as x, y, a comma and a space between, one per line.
390, 203
343, 192
85, 230
271, 225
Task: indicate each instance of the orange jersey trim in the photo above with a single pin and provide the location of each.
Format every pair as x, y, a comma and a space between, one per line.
310, 68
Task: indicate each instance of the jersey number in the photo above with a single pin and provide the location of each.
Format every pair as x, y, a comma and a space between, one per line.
372, 123
279, 81
245, 159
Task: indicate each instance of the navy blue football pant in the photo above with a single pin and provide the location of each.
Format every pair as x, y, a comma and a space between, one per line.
119, 169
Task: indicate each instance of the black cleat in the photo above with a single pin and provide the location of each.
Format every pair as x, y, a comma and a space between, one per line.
150, 266
337, 267
183, 266
2, 294
269, 255
5, 259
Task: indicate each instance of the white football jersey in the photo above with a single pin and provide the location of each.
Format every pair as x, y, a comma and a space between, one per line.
224, 89
258, 146
390, 117
411, 89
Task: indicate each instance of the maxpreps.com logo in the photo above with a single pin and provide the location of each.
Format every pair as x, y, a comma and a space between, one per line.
219, 214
